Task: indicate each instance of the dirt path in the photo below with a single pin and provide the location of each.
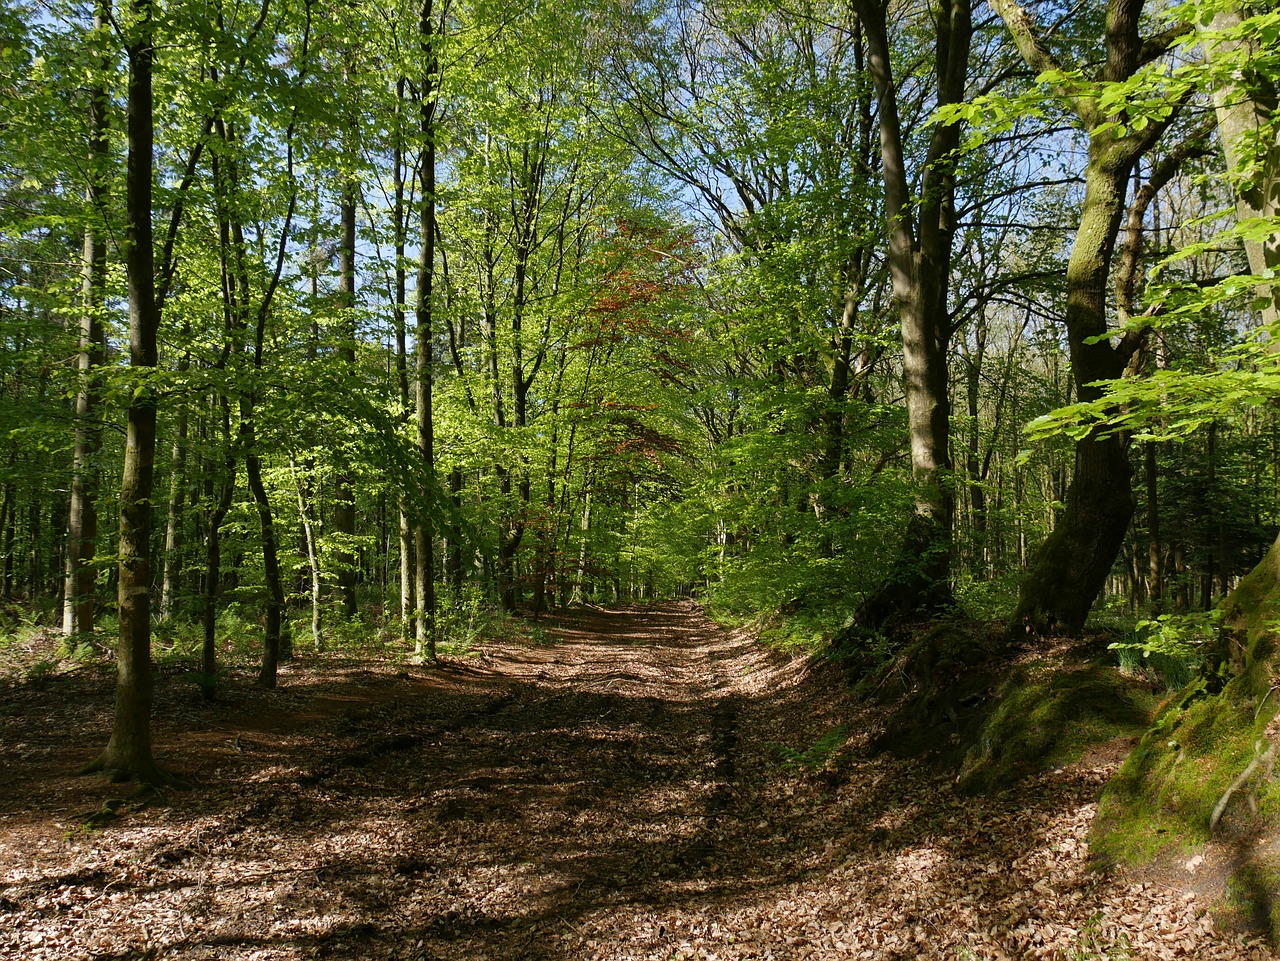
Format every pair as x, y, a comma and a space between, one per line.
642, 786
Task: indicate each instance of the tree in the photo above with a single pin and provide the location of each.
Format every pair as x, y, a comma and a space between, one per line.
82, 529
430, 34
1070, 567
128, 754
920, 240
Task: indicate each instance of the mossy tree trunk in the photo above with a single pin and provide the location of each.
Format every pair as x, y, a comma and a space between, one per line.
1068, 570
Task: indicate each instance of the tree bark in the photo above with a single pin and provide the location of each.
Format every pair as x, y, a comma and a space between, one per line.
311, 547
408, 575
172, 577
273, 644
344, 510
213, 554
424, 528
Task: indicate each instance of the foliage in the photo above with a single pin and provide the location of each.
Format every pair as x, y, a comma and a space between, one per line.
819, 753
1171, 645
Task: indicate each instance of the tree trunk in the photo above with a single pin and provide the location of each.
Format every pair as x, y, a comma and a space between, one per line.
174, 523
584, 526
82, 526
344, 510
454, 565
8, 512
920, 242
1155, 564
213, 555
311, 547
424, 529
1070, 567
272, 645
128, 753
408, 574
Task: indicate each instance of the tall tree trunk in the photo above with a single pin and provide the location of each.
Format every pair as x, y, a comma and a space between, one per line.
8, 510
174, 523
273, 648
424, 528
408, 622
128, 753
1069, 569
1155, 565
344, 509
237, 293
584, 526
311, 548
82, 527
920, 242
224, 486
453, 563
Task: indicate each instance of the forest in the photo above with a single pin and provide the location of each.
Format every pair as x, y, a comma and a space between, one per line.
929, 342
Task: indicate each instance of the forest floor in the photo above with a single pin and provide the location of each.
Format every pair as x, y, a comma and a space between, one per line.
642, 785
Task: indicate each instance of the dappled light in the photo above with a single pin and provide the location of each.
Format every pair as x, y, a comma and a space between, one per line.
665, 480
621, 789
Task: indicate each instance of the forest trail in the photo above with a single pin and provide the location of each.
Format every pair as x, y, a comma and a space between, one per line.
641, 785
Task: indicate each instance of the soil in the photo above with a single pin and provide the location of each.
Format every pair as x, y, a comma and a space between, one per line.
642, 785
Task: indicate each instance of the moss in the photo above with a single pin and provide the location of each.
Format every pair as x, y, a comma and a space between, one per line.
1047, 715
1253, 900
1194, 763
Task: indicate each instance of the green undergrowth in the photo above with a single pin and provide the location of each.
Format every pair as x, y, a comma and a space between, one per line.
1166, 793
817, 753
33, 649
793, 630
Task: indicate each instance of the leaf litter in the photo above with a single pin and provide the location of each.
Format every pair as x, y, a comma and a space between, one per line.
645, 786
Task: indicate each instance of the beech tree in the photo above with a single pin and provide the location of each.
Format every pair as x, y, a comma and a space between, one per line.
82, 528
920, 240
128, 754
1069, 568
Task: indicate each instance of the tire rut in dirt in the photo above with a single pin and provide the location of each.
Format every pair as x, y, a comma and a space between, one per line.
723, 728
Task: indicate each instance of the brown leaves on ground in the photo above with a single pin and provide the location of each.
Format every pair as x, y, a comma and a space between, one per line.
646, 787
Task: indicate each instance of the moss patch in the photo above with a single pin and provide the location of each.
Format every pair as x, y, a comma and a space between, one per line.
1170, 786
1204, 772
1047, 714
962, 697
